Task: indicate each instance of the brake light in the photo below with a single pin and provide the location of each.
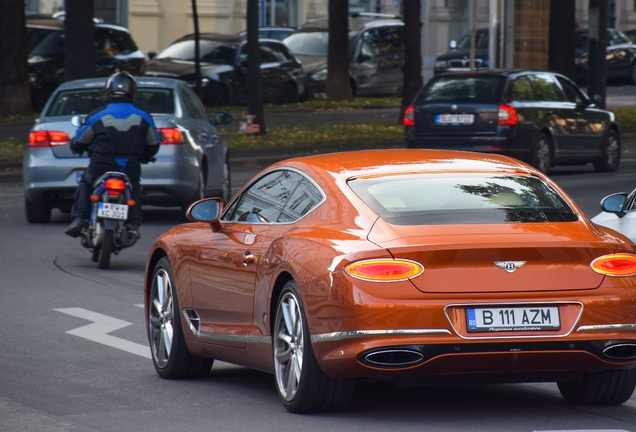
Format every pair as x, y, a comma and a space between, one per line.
48, 138
507, 115
170, 136
115, 184
615, 265
409, 116
384, 270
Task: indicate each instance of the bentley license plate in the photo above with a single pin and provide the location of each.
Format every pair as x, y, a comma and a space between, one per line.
112, 211
513, 318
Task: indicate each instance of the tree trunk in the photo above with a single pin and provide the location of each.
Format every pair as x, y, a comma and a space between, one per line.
254, 80
338, 83
14, 72
79, 48
412, 53
561, 39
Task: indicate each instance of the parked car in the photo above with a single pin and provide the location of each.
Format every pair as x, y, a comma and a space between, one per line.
458, 57
631, 34
619, 213
402, 265
376, 48
115, 51
539, 117
192, 161
224, 68
272, 32
621, 56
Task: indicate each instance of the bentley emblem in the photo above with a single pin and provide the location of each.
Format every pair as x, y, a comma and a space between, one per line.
453, 107
510, 266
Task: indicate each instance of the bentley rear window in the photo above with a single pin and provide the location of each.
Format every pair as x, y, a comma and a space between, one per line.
431, 199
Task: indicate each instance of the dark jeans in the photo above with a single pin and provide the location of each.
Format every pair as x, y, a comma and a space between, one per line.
98, 166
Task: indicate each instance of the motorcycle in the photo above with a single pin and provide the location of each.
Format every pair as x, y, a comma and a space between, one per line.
107, 232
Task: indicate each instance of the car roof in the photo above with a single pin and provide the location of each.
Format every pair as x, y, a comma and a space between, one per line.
57, 24
357, 22
218, 37
101, 83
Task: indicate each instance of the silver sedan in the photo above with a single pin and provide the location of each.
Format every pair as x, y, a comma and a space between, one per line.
192, 162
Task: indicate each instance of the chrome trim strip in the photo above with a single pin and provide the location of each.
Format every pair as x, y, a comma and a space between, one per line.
500, 304
335, 336
603, 327
224, 336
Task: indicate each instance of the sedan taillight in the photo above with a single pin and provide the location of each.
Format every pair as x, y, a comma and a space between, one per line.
507, 115
170, 136
48, 138
409, 116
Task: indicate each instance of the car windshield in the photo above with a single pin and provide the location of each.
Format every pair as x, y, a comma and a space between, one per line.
35, 35
310, 43
482, 41
213, 52
52, 45
83, 101
433, 199
461, 88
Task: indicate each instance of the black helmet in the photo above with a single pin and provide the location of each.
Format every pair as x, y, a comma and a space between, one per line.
121, 84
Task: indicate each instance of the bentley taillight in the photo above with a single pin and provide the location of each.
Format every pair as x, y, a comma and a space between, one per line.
620, 264
384, 270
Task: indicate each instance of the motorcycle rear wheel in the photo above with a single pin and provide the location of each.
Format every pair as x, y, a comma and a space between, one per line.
106, 249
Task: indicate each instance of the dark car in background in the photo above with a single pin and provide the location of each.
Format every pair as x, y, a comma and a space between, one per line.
539, 117
115, 50
224, 68
458, 57
376, 49
192, 161
621, 56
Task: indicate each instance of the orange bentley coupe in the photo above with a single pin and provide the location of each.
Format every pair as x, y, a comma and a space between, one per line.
420, 266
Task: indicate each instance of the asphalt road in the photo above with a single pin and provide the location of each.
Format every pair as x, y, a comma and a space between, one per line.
57, 374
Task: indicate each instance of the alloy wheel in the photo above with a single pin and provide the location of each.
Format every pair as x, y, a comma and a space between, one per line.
543, 154
289, 341
161, 318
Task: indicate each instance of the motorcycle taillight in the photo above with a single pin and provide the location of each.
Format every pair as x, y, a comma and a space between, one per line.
115, 184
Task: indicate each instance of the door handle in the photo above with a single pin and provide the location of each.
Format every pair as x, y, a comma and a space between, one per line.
248, 258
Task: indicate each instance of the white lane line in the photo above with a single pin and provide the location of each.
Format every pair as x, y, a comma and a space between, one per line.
99, 329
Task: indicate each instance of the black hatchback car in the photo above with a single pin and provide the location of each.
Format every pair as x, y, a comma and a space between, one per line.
539, 117
620, 58
115, 51
224, 68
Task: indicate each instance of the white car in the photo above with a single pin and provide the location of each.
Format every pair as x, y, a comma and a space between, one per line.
619, 213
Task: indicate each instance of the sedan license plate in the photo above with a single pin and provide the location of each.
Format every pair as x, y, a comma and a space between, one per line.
112, 211
524, 318
454, 119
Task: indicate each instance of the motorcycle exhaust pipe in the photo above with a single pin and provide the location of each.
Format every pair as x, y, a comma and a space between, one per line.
129, 238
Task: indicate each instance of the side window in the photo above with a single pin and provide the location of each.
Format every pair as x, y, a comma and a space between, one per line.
390, 40
124, 42
304, 199
519, 89
191, 104
283, 53
105, 45
545, 89
268, 55
265, 199
572, 93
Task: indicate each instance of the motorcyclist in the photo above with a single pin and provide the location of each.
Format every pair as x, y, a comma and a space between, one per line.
118, 137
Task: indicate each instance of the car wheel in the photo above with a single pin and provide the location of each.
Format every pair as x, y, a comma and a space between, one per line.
302, 386
600, 388
289, 94
611, 149
170, 356
541, 153
37, 213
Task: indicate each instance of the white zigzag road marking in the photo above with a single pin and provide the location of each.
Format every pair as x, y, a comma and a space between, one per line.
99, 329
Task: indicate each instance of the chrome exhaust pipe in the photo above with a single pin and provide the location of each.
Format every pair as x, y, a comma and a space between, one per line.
621, 351
393, 358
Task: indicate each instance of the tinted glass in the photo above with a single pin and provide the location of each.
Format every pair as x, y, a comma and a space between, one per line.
520, 89
425, 199
545, 89
80, 102
386, 40
36, 35
571, 92
481, 38
264, 200
461, 88
304, 199
51, 46
191, 105
211, 52
310, 43
105, 44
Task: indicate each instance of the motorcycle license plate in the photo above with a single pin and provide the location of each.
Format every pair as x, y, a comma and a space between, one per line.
112, 211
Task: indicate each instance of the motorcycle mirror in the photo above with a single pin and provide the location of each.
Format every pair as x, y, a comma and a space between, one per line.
78, 121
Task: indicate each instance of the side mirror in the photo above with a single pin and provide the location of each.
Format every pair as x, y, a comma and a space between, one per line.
597, 99
222, 118
614, 203
207, 210
78, 121
152, 54
452, 44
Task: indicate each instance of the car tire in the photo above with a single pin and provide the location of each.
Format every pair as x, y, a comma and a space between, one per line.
170, 355
611, 149
36, 213
600, 388
541, 157
289, 94
302, 386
